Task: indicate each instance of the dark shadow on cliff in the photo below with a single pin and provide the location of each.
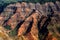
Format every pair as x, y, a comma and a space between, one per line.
58, 9
43, 31
14, 8
5, 22
29, 27
19, 24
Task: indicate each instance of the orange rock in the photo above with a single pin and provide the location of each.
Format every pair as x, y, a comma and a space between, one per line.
23, 4
24, 26
27, 10
34, 29
19, 10
1, 18
54, 38
50, 37
29, 36
9, 22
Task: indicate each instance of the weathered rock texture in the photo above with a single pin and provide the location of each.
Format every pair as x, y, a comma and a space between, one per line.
30, 21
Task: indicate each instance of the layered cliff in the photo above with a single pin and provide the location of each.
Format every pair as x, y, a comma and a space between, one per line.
31, 21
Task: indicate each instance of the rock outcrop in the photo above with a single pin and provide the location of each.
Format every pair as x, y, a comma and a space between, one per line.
31, 21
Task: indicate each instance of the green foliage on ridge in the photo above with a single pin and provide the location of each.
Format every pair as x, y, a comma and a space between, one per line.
9, 1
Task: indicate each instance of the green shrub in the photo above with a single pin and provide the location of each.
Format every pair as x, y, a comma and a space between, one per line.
13, 32
8, 27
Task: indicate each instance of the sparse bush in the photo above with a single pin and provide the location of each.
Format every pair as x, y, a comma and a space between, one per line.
8, 27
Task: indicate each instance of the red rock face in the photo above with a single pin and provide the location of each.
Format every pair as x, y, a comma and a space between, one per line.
31, 19
50, 37
19, 10
29, 36
54, 38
